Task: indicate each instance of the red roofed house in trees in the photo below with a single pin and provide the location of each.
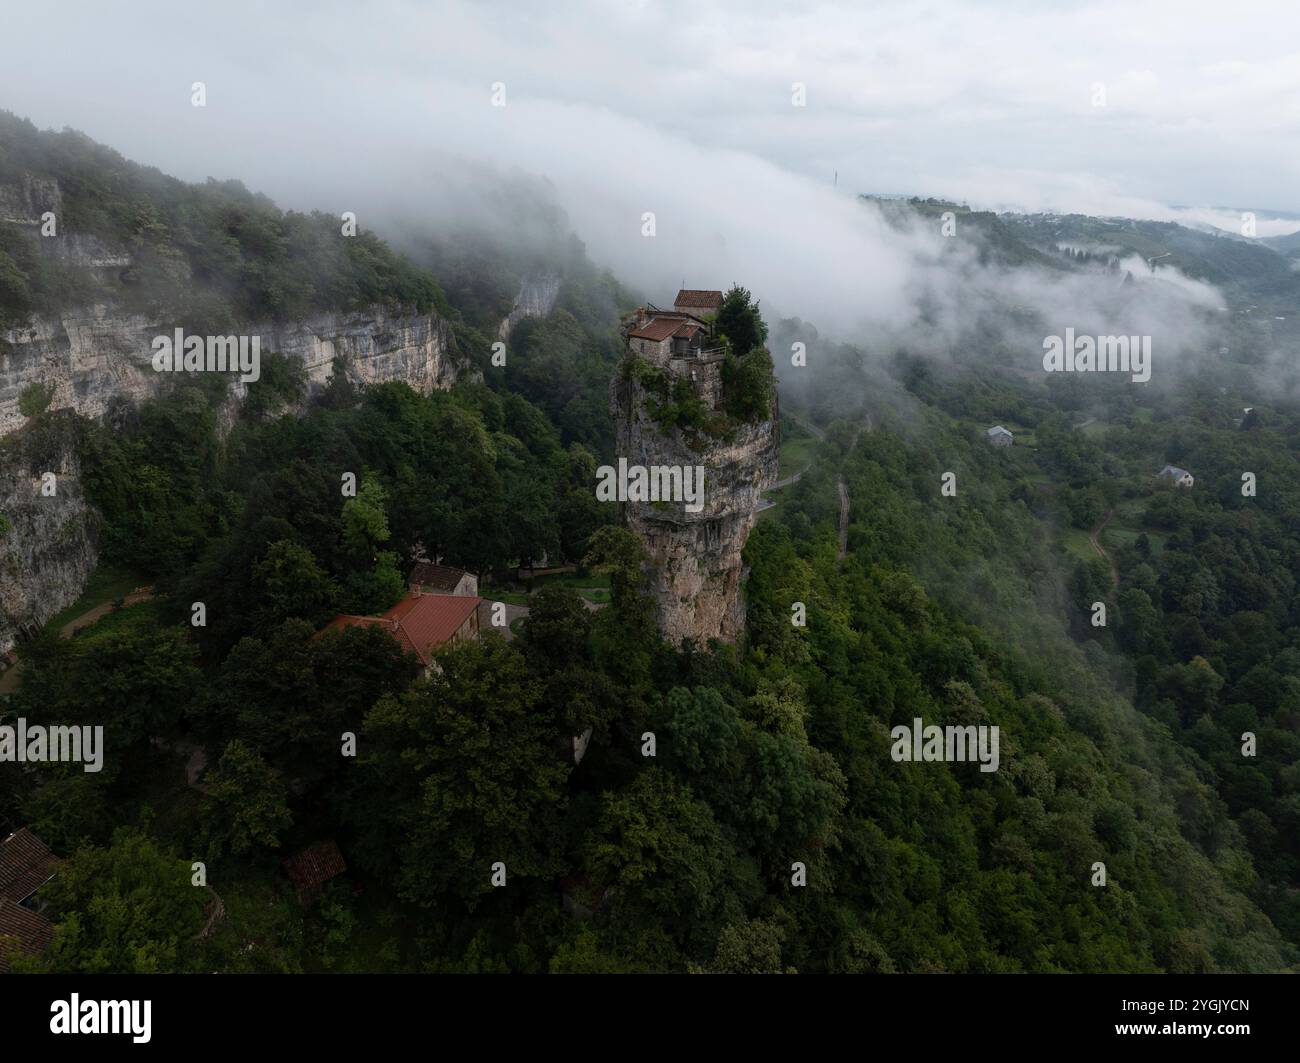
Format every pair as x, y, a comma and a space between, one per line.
26, 864
310, 868
422, 622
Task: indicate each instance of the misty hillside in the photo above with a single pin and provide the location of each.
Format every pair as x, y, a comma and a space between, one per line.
1246, 269
772, 829
215, 253
1286, 245
999, 243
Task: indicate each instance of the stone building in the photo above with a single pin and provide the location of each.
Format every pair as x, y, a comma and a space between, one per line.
658, 336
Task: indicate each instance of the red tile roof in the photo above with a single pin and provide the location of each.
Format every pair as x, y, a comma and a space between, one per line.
30, 930
392, 627
310, 868
420, 622
656, 329
661, 326
698, 297
25, 864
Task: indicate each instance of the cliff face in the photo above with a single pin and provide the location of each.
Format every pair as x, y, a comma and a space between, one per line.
94, 354
536, 299
24, 201
696, 574
49, 548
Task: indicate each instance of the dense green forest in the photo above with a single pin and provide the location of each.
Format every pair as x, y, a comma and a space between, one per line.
1121, 744
769, 754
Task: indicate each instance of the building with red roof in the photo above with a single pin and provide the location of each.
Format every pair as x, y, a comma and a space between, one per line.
422, 622
681, 341
662, 335
21, 930
310, 868
26, 864
698, 302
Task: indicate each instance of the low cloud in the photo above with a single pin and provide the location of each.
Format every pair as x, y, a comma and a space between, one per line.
615, 113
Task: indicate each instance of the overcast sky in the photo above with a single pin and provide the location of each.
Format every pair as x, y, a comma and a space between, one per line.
685, 109
988, 100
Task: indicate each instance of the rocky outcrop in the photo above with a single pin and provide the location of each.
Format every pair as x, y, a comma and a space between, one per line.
90, 356
27, 198
696, 573
86, 251
47, 541
536, 299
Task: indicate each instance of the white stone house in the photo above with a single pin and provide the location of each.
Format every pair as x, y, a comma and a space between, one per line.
1179, 477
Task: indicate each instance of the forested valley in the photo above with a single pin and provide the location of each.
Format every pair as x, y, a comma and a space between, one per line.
1121, 743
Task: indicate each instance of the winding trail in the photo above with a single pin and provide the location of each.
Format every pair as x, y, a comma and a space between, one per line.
843, 489
1094, 540
844, 518
215, 910
140, 594
766, 503
11, 678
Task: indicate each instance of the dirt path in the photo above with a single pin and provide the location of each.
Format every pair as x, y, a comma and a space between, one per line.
766, 503
840, 486
10, 681
844, 518
141, 594
843, 489
1094, 539
513, 613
